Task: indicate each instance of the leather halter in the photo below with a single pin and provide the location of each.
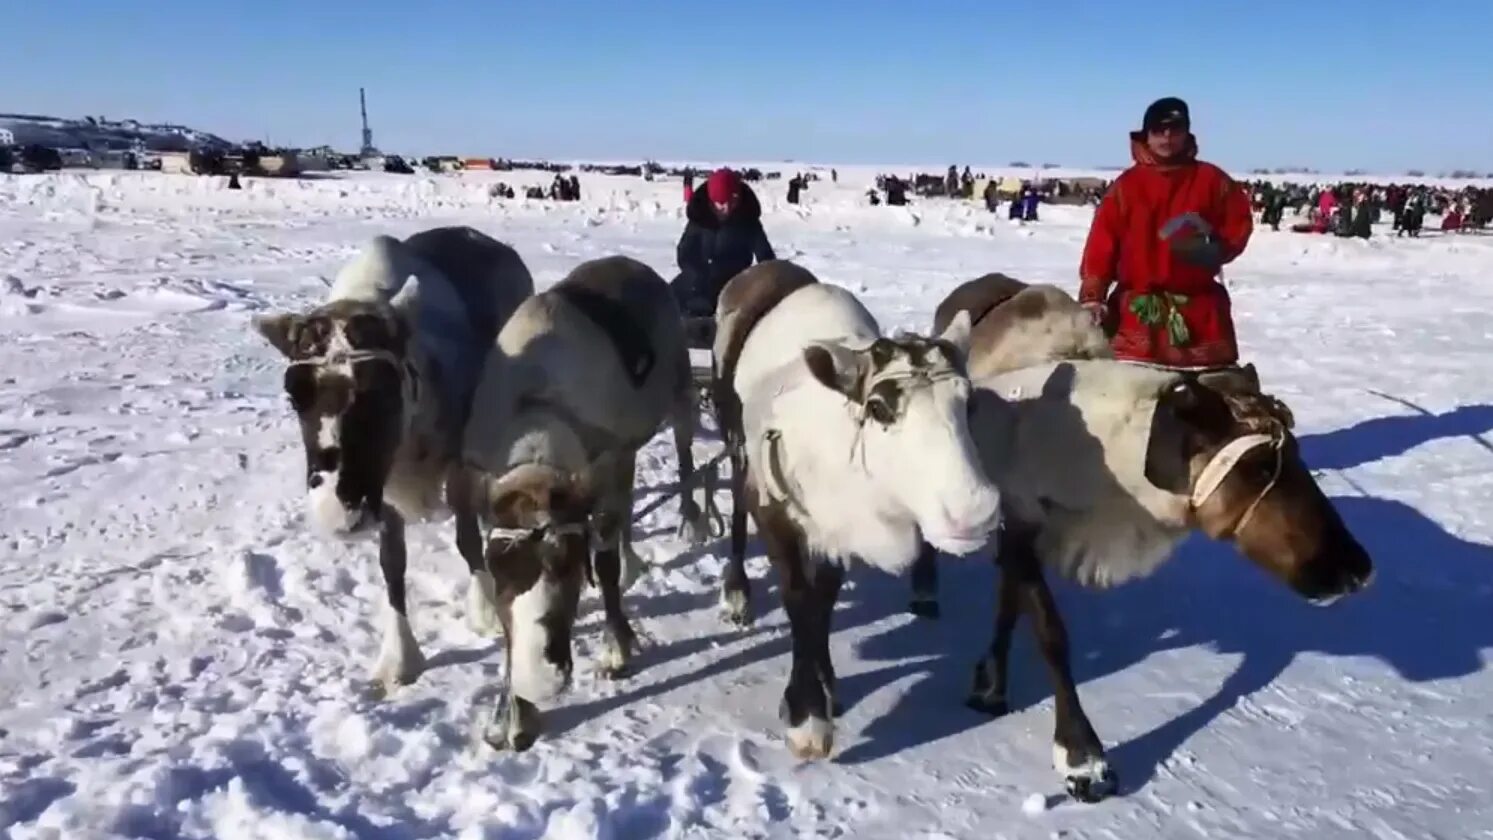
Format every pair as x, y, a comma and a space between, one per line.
777, 481
1225, 461
409, 378
514, 536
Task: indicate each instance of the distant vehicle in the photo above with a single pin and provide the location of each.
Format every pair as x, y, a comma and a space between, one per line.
37, 158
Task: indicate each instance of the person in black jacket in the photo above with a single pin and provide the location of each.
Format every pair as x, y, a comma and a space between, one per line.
723, 235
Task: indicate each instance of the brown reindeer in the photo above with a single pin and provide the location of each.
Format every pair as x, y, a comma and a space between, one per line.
1104, 467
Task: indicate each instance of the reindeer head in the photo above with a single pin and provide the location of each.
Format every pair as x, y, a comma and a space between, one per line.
352, 387
535, 515
912, 395
1232, 453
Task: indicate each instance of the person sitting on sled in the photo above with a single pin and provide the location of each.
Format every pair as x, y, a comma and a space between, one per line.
723, 234
1160, 237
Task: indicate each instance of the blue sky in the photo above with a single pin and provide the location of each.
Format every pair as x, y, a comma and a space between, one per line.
1379, 84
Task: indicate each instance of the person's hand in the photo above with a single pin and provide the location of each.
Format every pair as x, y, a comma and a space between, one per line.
1096, 312
1200, 251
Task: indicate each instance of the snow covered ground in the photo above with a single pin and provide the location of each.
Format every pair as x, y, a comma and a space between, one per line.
182, 658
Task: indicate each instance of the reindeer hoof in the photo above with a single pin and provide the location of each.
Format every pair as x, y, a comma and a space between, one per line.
515, 728
695, 531
812, 740
517, 742
1089, 789
616, 656
986, 704
400, 661
925, 608
1091, 780
735, 608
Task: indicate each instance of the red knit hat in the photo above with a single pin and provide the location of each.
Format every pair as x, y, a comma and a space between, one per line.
723, 186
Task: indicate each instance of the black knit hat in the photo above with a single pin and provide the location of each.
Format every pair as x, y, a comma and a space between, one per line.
1167, 111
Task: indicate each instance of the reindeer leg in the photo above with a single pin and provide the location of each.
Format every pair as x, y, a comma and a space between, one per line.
1076, 750
694, 522
482, 591
632, 565
537, 608
612, 523
806, 706
924, 603
989, 694
400, 661
736, 588
828, 577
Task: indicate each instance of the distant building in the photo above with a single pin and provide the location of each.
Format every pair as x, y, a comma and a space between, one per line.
7, 137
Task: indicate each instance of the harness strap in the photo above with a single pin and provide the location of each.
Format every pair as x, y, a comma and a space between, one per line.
775, 478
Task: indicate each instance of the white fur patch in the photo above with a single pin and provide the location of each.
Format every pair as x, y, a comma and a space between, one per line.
328, 433
482, 604
612, 658
1066, 442
814, 738
733, 604
1094, 770
377, 273
326, 511
869, 492
399, 660
534, 677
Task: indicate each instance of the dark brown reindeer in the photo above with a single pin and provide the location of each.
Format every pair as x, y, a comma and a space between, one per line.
380, 377
1104, 467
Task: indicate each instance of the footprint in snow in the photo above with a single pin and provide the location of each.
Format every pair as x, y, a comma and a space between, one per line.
114, 680
262, 573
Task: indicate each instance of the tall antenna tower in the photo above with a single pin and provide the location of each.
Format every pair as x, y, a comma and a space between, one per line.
368, 150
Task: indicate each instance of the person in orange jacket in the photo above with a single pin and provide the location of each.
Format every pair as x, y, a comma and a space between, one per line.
1160, 237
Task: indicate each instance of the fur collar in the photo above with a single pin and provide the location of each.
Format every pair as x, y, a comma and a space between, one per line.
1143, 156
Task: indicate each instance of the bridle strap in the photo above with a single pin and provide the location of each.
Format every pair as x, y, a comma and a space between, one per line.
1224, 462
409, 379
514, 536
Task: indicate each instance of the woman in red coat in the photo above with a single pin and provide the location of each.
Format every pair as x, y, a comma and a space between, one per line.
1160, 236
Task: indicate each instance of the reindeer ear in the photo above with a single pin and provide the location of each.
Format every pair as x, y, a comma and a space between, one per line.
1188, 418
279, 330
837, 368
407, 297
958, 332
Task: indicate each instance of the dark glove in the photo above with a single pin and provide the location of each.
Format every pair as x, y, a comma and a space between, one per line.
1201, 251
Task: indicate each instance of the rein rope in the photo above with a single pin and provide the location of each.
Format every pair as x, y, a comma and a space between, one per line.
705, 470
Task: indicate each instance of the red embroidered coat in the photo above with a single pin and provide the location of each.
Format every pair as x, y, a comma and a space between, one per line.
1165, 310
